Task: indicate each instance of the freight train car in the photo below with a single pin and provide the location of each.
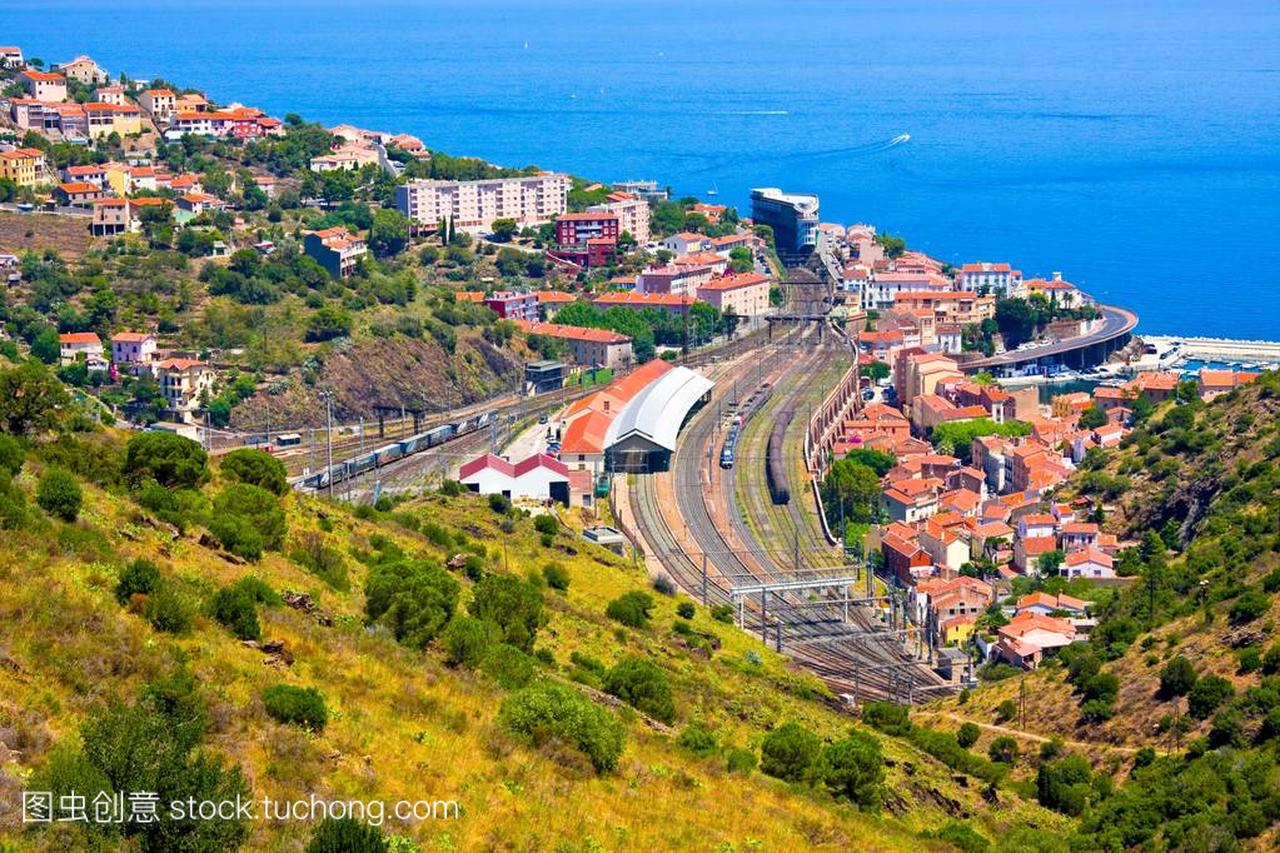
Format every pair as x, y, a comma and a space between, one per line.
775, 465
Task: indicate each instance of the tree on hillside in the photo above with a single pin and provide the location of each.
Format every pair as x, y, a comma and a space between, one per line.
1093, 417
893, 245
851, 492
388, 233
31, 399
1016, 320
503, 230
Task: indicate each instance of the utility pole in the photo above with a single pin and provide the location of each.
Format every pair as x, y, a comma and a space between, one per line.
327, 396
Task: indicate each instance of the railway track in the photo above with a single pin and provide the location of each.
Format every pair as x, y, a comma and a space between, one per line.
727, 552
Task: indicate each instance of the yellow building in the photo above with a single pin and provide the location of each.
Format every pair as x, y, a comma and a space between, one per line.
118, 177
105, 119
25, 166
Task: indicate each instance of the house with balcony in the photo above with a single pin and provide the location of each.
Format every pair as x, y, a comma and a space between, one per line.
185, 383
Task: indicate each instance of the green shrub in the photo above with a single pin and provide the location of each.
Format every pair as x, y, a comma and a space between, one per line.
631, 609
140, 577
685, 610
171, 505
13, 503
322, 560
1006, 711
740, 761
642, 684
234, 608
347, 835
1177, 677
258, 590
698, 739
967, 735
508, 666
853, 769
59, 494
170, 609
513, 605
790, 752
722, 613
149, 747
1207, 694
1063, 785
12, 454
302, 706
237, 535
556, 576
546, 524
167, 458
258, 507
1249, 606
1250, 659
549, 711
413, 598
889, 717
1271, 660
1003, 749
960, 836
1051, 748
466, 640
256, 468
499, 504
944, 747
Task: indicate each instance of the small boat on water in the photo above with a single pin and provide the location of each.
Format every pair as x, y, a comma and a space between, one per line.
713, 190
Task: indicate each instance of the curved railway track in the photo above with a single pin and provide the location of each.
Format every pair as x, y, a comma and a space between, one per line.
865, 661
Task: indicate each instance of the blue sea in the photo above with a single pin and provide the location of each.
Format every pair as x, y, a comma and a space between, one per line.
1135, 147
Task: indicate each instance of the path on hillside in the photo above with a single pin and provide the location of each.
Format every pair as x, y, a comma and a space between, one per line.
1077, 744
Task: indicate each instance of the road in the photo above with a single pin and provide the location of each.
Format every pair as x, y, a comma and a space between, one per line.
1116, 322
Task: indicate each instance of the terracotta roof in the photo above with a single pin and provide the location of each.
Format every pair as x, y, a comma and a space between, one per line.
734, 282
1089, 555
79, 187
575, 333
79, 338
627, 297
131, 337
180, 364
1034, 546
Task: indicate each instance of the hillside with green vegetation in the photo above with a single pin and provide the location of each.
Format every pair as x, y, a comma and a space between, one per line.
187, 625
1163, 730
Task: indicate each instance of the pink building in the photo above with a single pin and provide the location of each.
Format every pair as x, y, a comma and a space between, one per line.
132, 347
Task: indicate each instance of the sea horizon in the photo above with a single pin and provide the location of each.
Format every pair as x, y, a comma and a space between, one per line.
1141, 159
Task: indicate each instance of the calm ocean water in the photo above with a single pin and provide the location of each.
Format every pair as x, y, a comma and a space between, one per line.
1133, 146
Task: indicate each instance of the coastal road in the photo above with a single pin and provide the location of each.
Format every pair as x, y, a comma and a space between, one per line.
1117, 322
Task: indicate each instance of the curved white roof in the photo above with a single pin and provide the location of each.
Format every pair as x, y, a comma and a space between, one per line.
658, 411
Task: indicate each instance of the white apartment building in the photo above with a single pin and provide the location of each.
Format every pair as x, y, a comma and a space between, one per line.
883, 287
474, 205
997, 278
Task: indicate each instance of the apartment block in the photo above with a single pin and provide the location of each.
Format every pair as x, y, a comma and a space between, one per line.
474, 205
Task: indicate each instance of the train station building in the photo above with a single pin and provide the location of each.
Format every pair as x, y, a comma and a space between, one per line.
631, 425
